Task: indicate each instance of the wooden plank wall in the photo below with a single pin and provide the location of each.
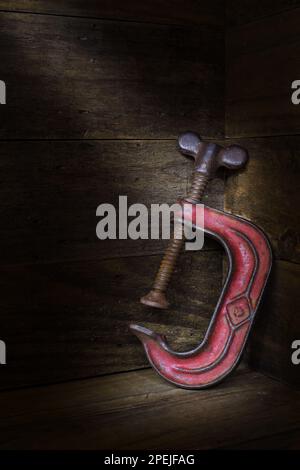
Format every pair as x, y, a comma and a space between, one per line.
263, 59
155, 11
96, 96
247, 11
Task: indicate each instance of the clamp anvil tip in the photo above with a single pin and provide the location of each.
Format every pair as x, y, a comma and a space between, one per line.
144, 334
155, 298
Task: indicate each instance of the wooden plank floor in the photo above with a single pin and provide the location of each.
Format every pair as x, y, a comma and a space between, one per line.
138, 410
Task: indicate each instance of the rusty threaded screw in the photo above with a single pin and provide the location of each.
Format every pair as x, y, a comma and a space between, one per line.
208, 158
156, 297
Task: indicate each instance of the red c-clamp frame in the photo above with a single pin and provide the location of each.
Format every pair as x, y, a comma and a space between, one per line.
250, 260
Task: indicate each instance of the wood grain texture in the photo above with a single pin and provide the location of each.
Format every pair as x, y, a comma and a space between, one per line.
208, 13
238, 12
52, 191
62, 321
73, 78
138, 410
278, 325
263, 59
267, 192
282, 441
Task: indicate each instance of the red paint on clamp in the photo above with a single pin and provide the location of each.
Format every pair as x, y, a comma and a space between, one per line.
250, 262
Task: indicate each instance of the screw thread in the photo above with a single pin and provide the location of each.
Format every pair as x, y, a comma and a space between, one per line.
168, 262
